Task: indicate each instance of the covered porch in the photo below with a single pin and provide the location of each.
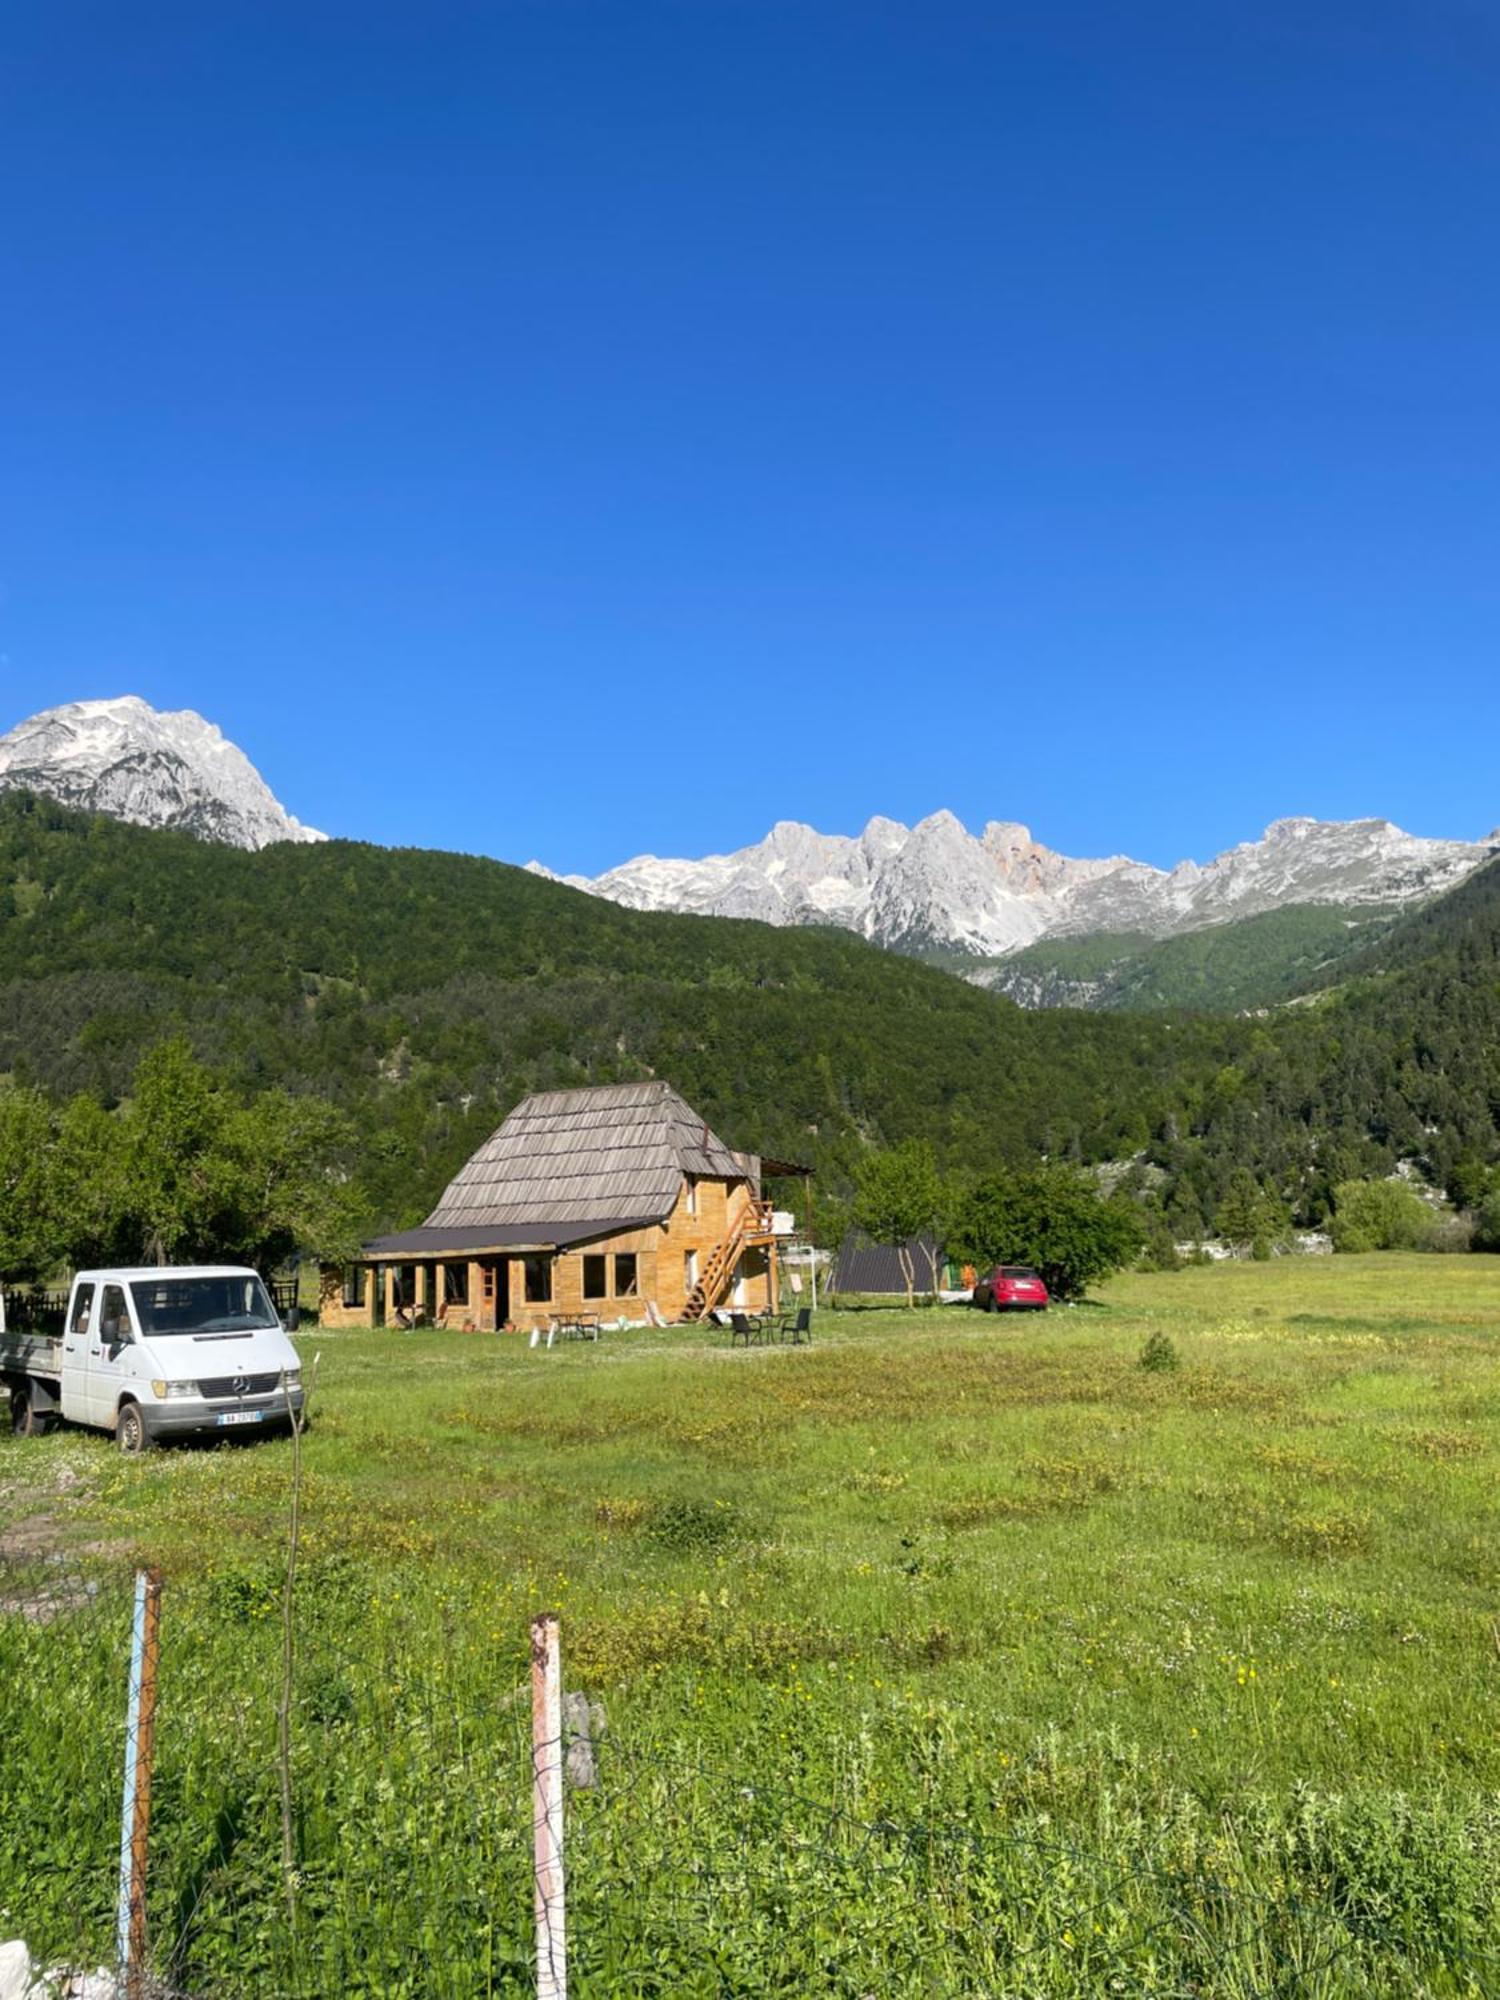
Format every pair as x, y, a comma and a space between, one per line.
484, 1279
470, 1279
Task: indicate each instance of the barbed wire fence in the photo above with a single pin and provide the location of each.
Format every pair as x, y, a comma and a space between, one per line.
360, 1813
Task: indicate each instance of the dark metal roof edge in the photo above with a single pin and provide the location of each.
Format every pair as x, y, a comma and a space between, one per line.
492, 1239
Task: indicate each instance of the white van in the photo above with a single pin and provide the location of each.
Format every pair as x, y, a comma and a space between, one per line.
156, 1353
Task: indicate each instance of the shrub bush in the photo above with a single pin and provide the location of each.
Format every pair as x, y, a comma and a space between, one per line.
1159, 1355
1453, 1234
1487, 1222
685, 1525
1381, 1215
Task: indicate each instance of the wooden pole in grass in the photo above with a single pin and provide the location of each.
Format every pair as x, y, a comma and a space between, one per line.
547, 1807
135, 1815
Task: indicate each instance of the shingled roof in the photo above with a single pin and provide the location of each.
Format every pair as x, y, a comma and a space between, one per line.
615, 1156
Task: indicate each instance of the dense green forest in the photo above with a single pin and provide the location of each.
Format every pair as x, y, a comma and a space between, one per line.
1227, 968
423, 994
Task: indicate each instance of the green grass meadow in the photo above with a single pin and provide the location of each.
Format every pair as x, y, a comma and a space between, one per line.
952, 1654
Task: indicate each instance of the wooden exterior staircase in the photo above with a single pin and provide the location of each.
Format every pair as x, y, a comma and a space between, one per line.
752, 1225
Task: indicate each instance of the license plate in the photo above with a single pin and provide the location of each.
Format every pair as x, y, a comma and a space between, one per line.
239, 1416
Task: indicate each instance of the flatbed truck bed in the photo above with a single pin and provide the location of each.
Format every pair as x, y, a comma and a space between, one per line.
31, 1354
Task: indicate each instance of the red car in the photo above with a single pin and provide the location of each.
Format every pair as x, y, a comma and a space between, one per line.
1011, 1288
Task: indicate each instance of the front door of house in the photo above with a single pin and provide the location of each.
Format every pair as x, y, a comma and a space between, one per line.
494, 1293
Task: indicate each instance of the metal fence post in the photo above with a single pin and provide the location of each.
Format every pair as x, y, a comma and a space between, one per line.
547, 1808
135, 1814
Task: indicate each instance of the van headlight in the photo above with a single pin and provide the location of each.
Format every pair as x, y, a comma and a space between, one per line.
292, 1377
166, 1389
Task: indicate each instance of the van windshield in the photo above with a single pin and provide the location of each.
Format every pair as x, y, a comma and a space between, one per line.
202, 1305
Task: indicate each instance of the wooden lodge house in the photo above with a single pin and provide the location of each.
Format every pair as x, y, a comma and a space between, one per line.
616, 1201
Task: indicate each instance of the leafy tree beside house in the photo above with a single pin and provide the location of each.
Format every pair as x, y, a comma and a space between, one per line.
91, 1155
208, 1175
899, 1195
1053, 1218
30, 1243
175, 1180
182, 1171
291, 1164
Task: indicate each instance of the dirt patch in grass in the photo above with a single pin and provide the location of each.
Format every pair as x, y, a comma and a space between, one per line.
40, 1580
29, 1539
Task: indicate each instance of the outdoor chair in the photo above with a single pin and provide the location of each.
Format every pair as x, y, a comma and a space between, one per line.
746, 1327
796, 1328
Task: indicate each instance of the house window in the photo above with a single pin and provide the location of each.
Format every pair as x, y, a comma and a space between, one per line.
487, 1282
625, 1275
538, 1281
690, 1269
692, 1196
596, 1277
354, 1285
456, 1284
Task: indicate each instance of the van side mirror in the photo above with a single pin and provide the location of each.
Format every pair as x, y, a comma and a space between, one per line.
115, 1333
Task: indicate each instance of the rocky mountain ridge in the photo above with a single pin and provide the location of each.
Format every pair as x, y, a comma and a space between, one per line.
937, 888
149, 766
933, 889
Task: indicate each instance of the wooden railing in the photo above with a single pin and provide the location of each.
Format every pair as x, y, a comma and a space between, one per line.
752, 1223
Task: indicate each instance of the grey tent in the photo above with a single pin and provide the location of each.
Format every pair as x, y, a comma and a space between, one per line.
875, 1268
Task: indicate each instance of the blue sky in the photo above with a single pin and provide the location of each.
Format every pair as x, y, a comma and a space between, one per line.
582, 427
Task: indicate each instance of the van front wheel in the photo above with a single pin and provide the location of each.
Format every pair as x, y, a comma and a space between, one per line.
131, 1434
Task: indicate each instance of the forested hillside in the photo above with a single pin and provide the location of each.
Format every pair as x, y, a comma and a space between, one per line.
425, 993
1458, 934
1225, 968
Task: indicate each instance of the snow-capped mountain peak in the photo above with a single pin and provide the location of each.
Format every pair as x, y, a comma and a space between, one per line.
936, 886
150, 766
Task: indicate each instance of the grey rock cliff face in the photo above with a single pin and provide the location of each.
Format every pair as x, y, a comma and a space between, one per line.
151, 767
936, 886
